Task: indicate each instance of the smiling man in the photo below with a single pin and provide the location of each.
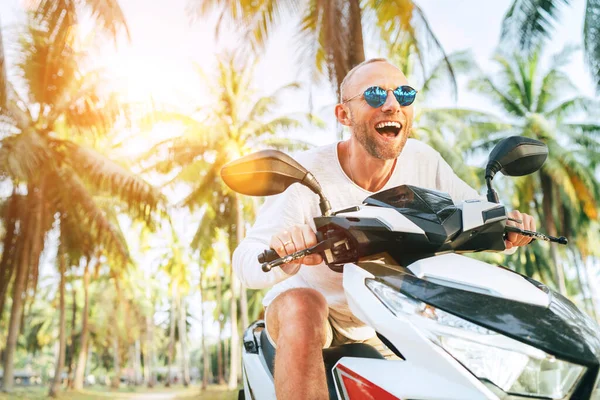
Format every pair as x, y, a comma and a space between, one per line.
306, 308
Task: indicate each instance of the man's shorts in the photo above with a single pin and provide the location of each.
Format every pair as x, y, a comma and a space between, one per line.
337, 338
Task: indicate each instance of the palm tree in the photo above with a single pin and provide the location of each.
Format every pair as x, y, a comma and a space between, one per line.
56, 382
237, 124
539, 103
331, 33
60, 16
83, 346
176, 265
530, 23
49, 111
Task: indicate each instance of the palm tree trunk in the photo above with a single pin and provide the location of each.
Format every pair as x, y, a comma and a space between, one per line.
185, 370
116, 361
3, 79
54, 388
244, 307
71, 354
149, 355
171, 337
220, 366
226, 356
205, 355
137, 366
116, 348
234, 358
357, 48
547, 206
81, 359
581, 283
32, 247
131, 365
588, 290
11, 246
593, 286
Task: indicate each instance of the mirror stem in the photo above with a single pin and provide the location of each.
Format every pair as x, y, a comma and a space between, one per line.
311, 182
324, 205
492, 196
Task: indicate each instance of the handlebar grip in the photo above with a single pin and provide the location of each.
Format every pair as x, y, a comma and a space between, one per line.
267, 256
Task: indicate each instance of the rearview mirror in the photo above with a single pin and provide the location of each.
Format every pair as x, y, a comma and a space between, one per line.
264, 173
516, 156
270, 172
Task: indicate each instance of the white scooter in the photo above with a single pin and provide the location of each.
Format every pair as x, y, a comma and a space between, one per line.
461, 328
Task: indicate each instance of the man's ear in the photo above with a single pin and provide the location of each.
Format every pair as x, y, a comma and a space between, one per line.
342, 113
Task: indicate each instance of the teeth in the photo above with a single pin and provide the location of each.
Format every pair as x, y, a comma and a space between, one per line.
387, 123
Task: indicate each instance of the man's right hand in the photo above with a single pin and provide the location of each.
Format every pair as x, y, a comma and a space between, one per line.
296, 238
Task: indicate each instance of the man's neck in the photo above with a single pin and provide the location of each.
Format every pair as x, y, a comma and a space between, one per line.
366, 171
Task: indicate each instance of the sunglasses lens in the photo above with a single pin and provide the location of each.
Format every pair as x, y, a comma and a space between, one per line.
375, 96
405, 95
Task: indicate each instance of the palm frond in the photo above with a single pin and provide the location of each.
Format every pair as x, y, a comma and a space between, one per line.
486, 86
461, 61
109, 15
80, 212
3, 76
286, 144
205, 234
572, 106
530, 22
141, 199
47, 64
205, 189
266, 104
554, 85
591, 39
22, 156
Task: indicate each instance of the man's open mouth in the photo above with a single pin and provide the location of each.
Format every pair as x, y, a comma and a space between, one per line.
389, 129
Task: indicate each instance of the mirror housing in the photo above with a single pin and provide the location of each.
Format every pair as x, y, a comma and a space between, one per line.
516, 156
269, 172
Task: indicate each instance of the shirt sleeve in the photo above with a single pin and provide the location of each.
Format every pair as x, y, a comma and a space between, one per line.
450, 183
277, 213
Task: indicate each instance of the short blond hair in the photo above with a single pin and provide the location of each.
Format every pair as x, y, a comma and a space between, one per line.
356, 68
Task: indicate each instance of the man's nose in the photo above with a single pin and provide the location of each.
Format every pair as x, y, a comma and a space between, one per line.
391, 105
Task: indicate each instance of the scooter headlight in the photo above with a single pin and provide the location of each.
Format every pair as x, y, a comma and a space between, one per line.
515, 367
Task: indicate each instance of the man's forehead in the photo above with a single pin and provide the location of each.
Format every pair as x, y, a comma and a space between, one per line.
379, 73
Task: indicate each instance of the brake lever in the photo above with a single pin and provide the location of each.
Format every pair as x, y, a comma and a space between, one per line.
317, 248
536, 235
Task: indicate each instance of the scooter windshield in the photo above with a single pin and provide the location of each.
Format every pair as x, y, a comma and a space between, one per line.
426, 204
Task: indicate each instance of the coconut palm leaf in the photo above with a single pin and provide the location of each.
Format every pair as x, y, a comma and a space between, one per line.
22, 156
591, 38
106, 176
330, 32
106, 13
531, 21
565, 190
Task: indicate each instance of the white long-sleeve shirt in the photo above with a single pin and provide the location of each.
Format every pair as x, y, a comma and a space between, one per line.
417, 165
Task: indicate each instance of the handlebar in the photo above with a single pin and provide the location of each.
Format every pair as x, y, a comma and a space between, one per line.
270, 259
537, 235
267, 256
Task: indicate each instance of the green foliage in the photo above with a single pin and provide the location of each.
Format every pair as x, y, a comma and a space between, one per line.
538, 103
528, 24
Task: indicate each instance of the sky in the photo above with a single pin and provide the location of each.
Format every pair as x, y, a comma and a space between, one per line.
166, 47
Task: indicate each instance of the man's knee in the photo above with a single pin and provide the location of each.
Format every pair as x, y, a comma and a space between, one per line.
297, 309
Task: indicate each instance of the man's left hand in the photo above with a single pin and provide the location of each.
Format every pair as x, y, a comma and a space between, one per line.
528, 224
